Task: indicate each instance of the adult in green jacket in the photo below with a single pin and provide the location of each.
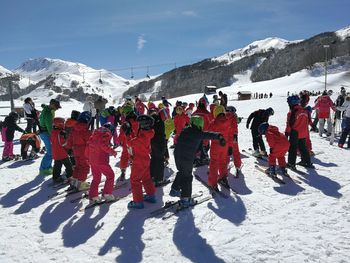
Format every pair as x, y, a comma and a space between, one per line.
45, 126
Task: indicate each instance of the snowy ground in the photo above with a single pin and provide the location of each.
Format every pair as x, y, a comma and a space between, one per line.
266, 222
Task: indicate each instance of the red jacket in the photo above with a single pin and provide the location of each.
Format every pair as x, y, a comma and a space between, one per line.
99, 148
276, 140
324, 105
180, 122
78, 139
233, 130
58, 143
298, 120
222, 125
141, 146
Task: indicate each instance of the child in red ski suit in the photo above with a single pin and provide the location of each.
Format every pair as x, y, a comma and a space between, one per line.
233, 148
130, 118
59, 152
218, 153
279, 146
77, 141
98, 151
181, 120
140, 170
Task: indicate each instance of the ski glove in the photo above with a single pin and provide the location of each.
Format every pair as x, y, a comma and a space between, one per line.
229, 151
222, 140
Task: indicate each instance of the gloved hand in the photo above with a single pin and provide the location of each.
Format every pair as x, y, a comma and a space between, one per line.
222, 140
239, 120
229, 151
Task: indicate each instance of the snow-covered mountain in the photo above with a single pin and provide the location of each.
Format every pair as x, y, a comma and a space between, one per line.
258, 46
71, 75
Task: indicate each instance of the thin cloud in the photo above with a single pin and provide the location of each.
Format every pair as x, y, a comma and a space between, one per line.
189, 13
141, 42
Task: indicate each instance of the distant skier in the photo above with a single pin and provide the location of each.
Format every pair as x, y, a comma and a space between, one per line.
233, 148
346, 122
184, 153
279, 145
324, 104
258, 117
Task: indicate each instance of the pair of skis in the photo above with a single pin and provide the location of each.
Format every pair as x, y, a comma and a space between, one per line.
171, 208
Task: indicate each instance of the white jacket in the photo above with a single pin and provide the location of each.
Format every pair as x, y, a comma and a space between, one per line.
345, 107
28, 110
89, 106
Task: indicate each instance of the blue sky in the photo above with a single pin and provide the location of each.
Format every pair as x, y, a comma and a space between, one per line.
154, 34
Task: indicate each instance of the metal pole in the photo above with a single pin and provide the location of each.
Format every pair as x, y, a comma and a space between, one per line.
11, 96
325, 67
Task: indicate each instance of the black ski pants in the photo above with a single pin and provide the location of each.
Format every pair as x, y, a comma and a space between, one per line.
296, 144
257, 141
184, 177
157, 164
57, 166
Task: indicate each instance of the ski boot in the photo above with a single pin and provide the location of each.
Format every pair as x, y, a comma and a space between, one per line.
135, 205
291, 166
175, 193
121, 178
224, 182
271, 171
306, 165
263, 153
186, 202
284, 171
150, 199
109, 197
256, 153
95, 200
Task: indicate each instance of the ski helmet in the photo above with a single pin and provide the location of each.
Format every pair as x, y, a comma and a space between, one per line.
84, 117
14, 115
270, 111
197, 121
263, 127
293, 100
75, 114
231, 109
109, 126
145, 122
58, 122
219, 110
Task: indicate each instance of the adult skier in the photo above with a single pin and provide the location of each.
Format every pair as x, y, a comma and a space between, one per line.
258, 117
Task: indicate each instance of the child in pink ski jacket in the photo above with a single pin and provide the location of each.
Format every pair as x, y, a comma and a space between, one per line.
98, 151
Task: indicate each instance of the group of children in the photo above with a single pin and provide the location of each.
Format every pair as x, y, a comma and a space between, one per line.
143, 137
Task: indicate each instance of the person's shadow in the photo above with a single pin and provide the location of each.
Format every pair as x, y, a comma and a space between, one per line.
12, 197
188, 241
231, 209
127, 237
36, 199
326, 185
79, 230
55, 214
239, 184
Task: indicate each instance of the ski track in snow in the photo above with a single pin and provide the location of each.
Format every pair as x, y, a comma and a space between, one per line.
266, 222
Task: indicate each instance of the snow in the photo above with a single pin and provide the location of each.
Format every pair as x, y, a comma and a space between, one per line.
266, 222
112, 86
343, 33
253, 48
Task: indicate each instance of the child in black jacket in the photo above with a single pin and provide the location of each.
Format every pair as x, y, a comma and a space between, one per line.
9, 127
